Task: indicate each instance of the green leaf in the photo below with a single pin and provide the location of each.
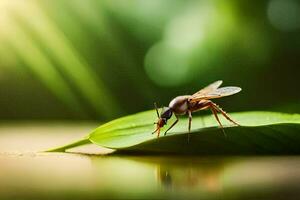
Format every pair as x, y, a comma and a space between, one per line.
260, 132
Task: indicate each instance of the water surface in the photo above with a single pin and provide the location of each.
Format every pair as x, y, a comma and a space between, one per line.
90, 173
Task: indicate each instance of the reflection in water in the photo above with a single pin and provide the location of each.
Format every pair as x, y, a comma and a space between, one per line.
164, 177
73, 175
211, 177
190, 175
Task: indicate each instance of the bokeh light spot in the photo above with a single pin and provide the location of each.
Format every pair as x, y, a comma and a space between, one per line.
284, 14
186, 31
171, 61
166, 66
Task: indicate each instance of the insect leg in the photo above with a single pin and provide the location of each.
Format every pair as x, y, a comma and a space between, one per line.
190, 124
172, 125
190, 120
217, 118
223, 113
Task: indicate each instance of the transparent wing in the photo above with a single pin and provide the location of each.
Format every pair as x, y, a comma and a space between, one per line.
218, 93
209, 88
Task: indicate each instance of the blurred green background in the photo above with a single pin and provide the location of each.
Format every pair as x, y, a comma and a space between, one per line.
97, 60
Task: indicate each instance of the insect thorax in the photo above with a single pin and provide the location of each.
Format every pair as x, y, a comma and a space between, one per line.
179, 105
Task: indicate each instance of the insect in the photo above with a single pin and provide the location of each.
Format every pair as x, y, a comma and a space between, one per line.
188, 104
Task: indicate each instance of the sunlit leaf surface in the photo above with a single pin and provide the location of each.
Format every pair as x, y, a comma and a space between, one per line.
259, 133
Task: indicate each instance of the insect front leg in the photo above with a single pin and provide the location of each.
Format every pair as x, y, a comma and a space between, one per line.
172, 125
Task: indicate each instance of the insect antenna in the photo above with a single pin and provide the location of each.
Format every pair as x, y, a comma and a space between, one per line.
154, 131
155, 105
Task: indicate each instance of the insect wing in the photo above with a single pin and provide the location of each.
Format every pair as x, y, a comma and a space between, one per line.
225, 91
218, 93
209, 88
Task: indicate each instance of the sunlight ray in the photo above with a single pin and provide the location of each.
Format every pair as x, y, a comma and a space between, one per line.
39, 65
71, 63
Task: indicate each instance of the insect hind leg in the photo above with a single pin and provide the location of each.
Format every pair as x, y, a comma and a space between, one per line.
213, 110
217, 108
